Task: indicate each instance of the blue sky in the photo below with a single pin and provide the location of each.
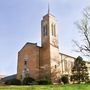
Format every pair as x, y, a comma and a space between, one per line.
20, 22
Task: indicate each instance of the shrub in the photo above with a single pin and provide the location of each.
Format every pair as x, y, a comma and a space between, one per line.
60, 81
28, 81
44, 82
88, 82
64, 79
13, 82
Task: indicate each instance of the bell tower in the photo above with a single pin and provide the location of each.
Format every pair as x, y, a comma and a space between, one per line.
49, 30
50, 47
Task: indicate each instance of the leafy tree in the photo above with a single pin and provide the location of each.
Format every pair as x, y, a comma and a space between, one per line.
84, 29
79, 71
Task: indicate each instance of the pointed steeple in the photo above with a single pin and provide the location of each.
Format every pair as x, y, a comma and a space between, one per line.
48, 8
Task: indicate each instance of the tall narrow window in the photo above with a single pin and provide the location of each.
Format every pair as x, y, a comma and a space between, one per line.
26, 60
54, 30
25, 68
65, 65
55, 66
45, 30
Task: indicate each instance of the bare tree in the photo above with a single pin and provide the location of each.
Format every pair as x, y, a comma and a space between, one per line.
51, 72
84, 28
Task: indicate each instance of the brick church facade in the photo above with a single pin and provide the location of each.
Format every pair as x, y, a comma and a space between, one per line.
45, 62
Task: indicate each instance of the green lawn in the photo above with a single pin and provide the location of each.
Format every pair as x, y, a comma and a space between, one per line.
48, 87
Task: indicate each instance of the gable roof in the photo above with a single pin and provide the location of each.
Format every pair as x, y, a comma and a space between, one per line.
67, 55
29, 43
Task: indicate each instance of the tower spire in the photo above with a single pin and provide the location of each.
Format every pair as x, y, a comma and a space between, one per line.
48, 8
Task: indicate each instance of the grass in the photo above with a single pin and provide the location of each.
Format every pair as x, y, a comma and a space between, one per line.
48, 87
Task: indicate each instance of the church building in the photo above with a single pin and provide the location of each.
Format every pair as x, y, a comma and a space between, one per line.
45, 61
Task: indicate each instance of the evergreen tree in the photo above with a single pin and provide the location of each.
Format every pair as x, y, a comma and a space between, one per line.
79, 71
